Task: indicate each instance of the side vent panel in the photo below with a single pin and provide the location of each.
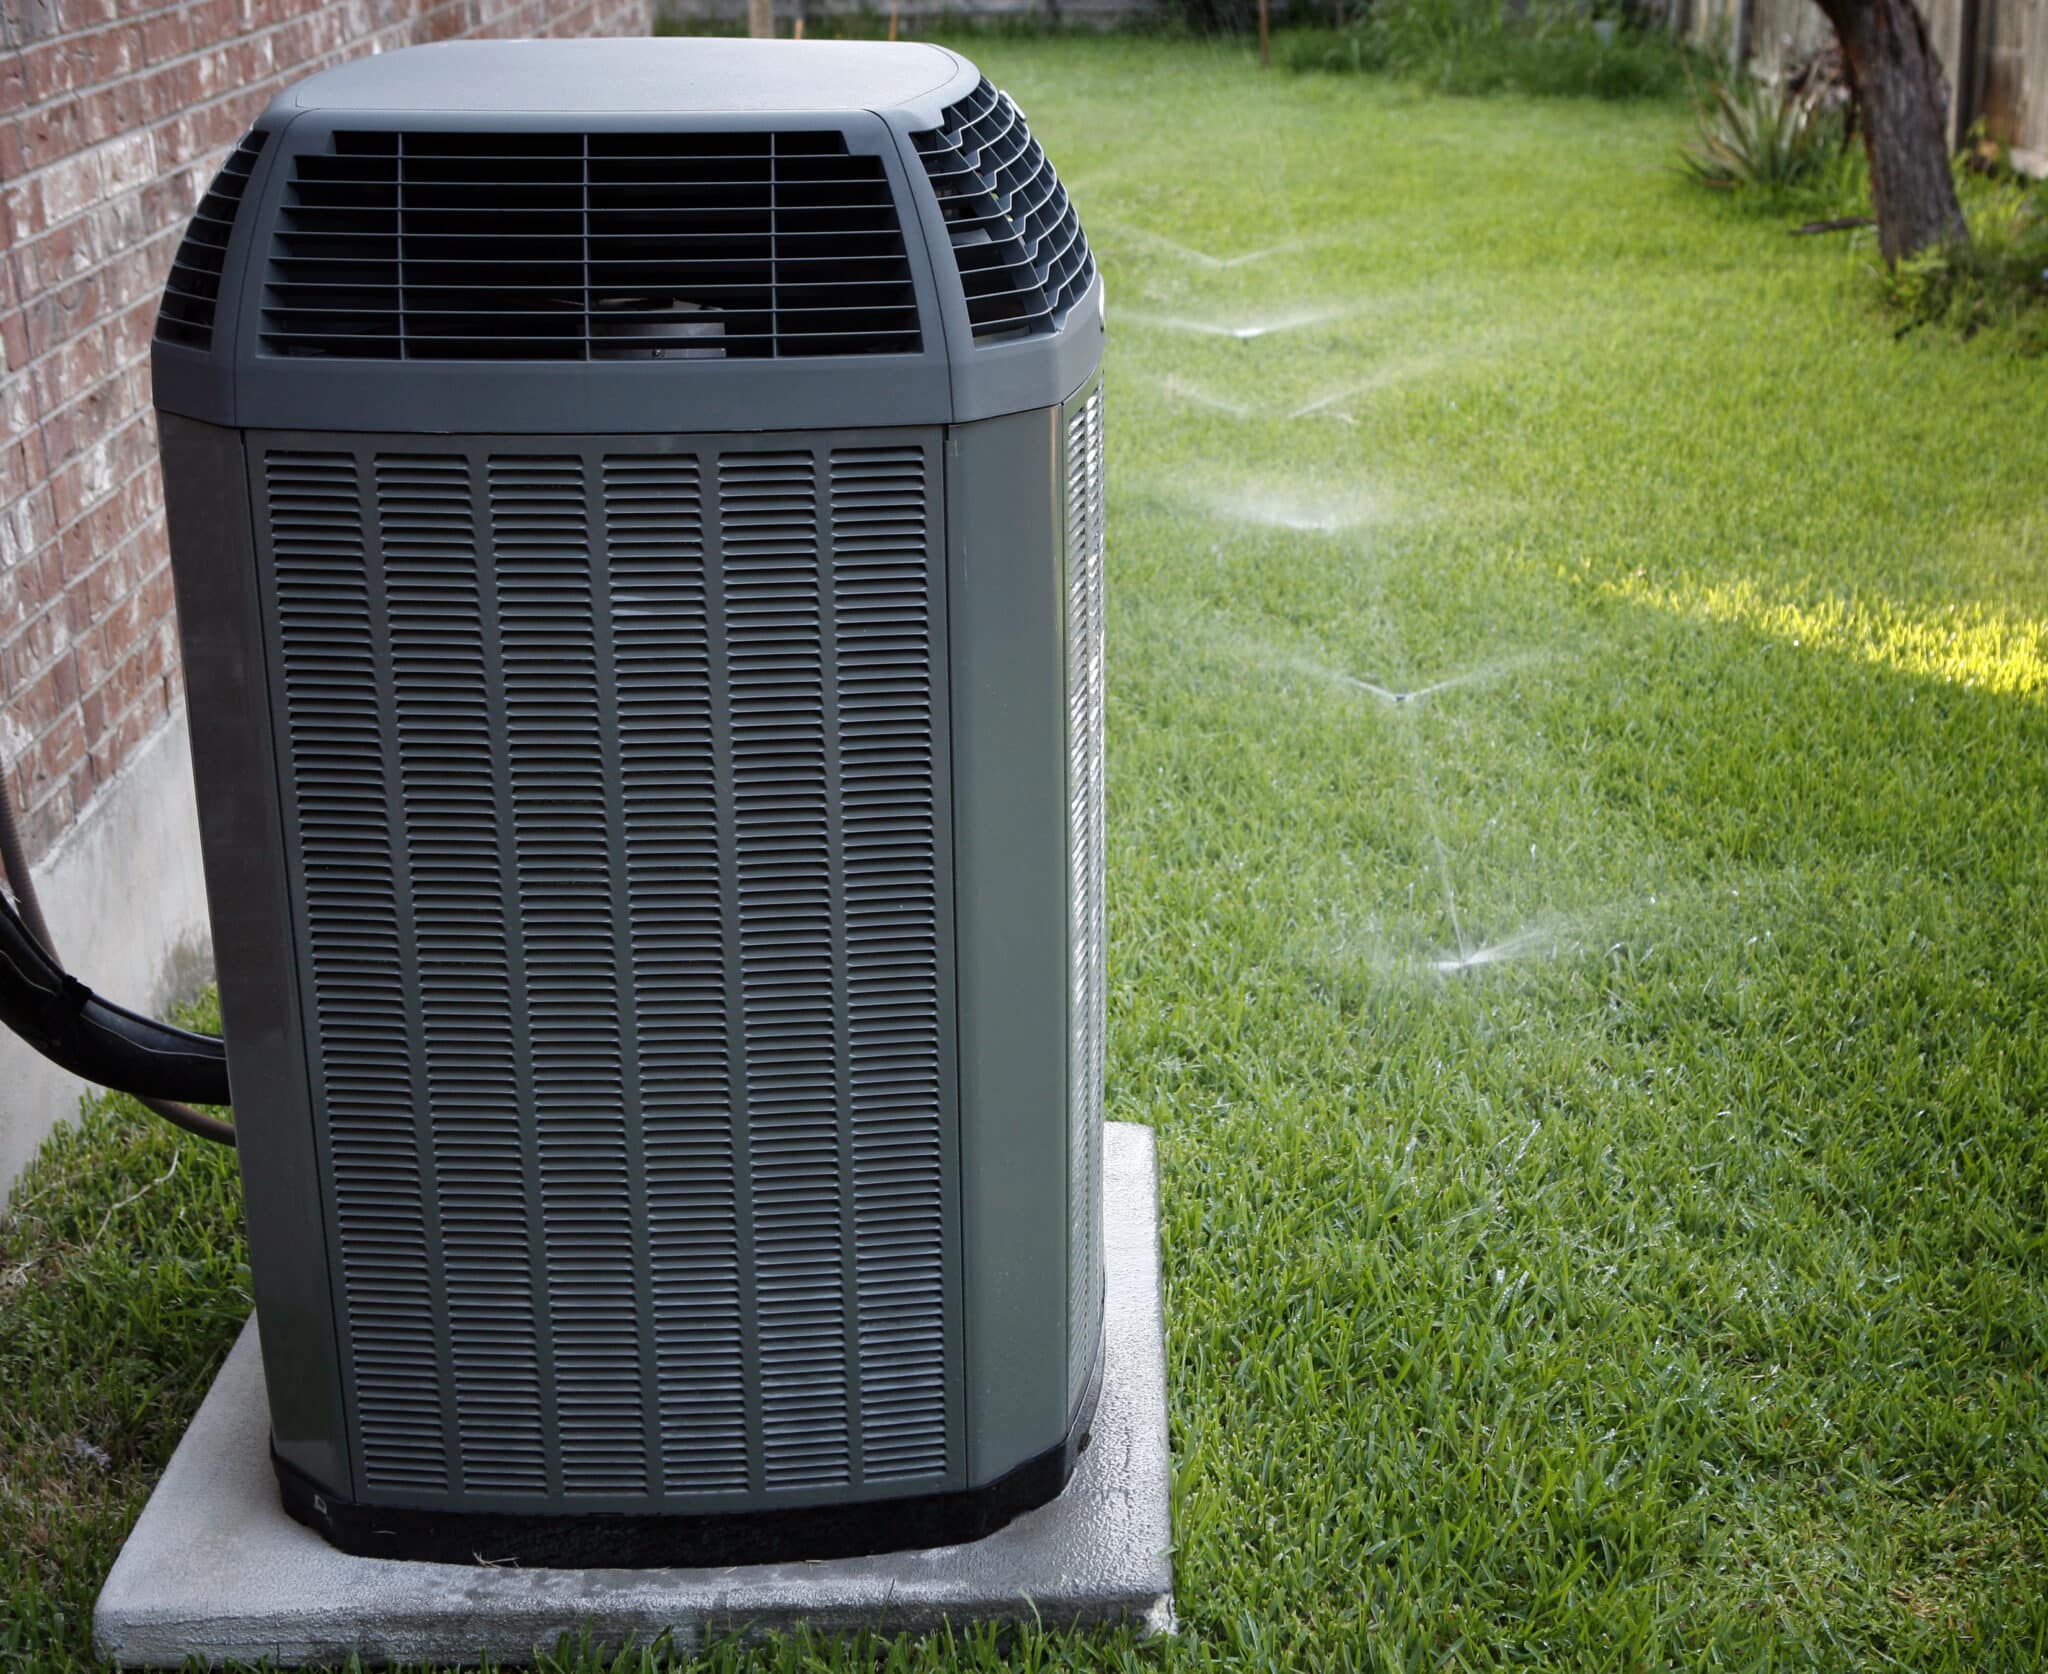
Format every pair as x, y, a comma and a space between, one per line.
546, 246
883, 607
1087, 929
192, 293
549, 623
343, 797
654, 522
616, 771
1024, 261
473, 1006
783, 816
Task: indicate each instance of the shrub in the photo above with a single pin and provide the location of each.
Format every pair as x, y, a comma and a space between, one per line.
1216, 17
1472, 47
870, 22
1998, 281
1335, 51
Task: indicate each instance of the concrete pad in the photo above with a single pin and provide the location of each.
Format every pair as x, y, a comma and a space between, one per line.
216, 1571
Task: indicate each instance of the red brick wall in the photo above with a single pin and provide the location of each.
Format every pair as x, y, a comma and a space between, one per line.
114, 115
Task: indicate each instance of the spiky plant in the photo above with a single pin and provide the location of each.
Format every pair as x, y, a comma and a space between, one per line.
1754, 133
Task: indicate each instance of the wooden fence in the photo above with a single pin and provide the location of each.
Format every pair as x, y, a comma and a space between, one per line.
1995, 52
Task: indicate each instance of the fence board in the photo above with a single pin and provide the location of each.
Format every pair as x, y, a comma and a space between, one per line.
1995, 52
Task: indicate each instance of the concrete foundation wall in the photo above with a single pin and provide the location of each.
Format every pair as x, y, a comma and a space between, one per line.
127, 904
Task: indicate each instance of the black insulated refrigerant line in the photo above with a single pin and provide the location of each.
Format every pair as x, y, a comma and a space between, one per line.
165, 1067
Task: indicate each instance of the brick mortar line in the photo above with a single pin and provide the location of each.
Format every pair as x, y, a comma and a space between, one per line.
189, 57
157, 125
100, 266
319, 61
77, 705
98, 501
150, 690
119, 427
41, 417
154, 125
115, 663
109, 200
20, 54
91, 29
112, 317
29, 367
136, 539
35, 422
18, 184
70, 647
159, 685
96, 781
90, 508
143, 536
432, 9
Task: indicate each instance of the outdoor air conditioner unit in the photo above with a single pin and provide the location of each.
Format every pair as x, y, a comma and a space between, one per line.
637, 517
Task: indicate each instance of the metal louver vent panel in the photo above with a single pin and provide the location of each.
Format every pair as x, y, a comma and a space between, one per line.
1087, 930
655, 522
1023, 259
782, 820
888, 750
192, 292
470, 994
329, 625
545, 246
616, 779
548, 625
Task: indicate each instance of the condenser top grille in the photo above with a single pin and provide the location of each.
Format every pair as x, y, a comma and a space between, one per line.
193, 291
1023, 259
552, 246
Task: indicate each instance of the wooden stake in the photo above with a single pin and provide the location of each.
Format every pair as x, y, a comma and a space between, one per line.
892, 19
1265, 35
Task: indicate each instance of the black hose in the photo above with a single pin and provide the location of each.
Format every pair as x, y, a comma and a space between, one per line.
195, 1122
92, 1037
71, 1025
14, 859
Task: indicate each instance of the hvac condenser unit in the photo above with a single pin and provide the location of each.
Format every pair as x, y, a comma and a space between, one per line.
637, 517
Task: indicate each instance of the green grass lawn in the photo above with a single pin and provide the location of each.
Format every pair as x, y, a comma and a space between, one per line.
1601, 1097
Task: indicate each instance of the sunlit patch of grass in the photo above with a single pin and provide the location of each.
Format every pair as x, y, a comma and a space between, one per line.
1969, 644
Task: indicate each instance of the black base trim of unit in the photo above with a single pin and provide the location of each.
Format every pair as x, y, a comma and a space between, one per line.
635, 1540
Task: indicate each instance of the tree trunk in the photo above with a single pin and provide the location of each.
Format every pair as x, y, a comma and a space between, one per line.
1902, 107
761, 19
